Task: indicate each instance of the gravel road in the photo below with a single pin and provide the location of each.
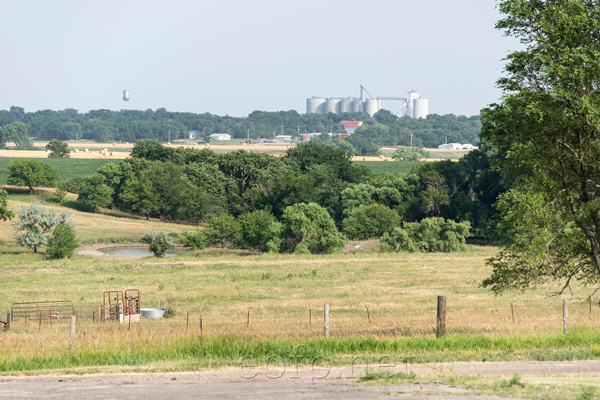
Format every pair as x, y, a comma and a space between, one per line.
274, 383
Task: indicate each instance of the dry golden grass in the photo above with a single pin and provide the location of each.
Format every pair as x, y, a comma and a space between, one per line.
89, 226
283, 294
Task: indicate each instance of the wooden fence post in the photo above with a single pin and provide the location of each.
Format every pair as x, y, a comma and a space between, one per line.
8, 317
72, 341
512, 310
201, 332
565, 315
326, 320
441, 317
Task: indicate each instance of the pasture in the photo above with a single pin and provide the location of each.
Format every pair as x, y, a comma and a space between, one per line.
259, 303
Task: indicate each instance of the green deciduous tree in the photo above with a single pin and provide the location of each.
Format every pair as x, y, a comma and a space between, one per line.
409, 154
62, 243
429, 235
15, 132
5, 213
309, 226
158, 242
95, 193
34, 224
548, 128
58, 149
195, 240
31, 173
370, 221
223, 231
257, 228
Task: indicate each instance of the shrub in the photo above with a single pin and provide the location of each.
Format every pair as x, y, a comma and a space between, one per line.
257, 228
429, 235
409, 154
62, 243
310, 225
34, 223
223, 231
193, 240
369, 221
158, 242
5, 213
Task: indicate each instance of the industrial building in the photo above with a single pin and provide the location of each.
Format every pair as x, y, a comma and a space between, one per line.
413, 105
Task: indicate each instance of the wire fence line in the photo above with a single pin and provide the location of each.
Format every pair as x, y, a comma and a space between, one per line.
29, 338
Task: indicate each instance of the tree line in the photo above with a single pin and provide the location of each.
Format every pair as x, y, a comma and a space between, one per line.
383, 129
258, 201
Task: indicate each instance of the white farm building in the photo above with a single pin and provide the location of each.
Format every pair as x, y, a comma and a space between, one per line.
220, 136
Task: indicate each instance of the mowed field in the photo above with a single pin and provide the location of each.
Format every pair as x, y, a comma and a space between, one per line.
250, 298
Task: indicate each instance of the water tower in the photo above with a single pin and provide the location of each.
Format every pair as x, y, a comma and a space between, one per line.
126, 97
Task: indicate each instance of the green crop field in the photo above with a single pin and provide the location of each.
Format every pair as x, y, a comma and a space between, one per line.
67, 167
389, 167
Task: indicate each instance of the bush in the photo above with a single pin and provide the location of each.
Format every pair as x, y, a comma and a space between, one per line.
62, 243
34, 223
257, 228
311, 226
409, 154
193, 240
369, 221
158, 242
5, 213
223, 231
429, 235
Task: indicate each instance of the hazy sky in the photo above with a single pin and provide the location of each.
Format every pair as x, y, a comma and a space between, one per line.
236, 56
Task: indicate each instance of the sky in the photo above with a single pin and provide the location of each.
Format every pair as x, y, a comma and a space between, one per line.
232, 57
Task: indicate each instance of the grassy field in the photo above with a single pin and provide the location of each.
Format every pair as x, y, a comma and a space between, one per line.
381, 304
388, 167
66, 167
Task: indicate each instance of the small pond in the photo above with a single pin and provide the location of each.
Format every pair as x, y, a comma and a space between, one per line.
136, 251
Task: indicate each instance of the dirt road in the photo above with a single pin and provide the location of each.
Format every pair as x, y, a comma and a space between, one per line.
279, 382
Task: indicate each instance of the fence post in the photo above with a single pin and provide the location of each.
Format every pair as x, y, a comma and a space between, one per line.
512, 310
72, 341
8, 317
326, 320
565, 315
441, 317
201, 332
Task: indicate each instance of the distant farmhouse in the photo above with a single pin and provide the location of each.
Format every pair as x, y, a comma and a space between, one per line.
350, 126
